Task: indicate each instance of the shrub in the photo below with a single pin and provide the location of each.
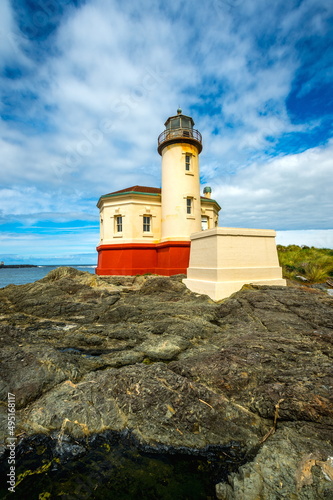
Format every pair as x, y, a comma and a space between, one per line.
315, 264
319, 271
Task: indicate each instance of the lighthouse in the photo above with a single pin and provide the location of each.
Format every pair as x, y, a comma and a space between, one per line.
180, 145
148, 229
174, 230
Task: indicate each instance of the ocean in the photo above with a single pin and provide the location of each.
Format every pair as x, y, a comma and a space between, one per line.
23, 275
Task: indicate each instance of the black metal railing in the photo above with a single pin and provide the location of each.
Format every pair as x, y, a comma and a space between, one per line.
179, 133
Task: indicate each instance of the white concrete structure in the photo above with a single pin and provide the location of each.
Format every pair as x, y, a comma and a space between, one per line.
222, 260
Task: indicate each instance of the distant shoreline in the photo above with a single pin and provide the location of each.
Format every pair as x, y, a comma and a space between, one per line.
16, 266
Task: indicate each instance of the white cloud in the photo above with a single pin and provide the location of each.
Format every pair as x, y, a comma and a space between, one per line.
315, 237
291, 192
28, 205
38, 247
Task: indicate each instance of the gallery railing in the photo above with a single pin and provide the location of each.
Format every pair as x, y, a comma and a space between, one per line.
178, 133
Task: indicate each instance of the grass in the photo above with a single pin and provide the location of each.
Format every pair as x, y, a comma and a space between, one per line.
313, 264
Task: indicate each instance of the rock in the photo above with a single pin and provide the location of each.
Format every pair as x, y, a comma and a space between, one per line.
145, 357
294, 463
158, 405
167, 347
161, 284
301, 278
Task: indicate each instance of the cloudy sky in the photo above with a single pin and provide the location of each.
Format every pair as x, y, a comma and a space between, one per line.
86, 86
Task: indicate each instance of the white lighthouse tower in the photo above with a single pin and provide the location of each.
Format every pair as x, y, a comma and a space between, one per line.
180, 145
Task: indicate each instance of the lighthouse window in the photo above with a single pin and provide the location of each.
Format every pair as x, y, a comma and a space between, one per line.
187, 163
146, 224
189, 205
204, 223
119, 224
175, 123
186, 122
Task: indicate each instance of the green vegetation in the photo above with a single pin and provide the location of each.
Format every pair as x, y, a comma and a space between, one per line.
313, 264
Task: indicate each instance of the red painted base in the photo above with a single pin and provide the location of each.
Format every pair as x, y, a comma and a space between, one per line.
166, 259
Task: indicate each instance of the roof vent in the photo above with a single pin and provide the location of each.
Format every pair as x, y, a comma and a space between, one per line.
207, 192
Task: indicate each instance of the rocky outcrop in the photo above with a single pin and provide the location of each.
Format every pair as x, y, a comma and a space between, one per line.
250, 376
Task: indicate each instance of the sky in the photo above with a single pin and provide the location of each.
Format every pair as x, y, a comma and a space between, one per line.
86, 86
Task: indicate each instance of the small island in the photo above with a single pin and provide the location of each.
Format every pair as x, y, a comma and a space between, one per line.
15, 266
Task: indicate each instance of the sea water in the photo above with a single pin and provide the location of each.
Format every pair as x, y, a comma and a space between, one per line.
112, 466
23, 275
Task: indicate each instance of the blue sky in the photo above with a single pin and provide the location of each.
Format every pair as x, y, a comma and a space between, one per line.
86, 87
